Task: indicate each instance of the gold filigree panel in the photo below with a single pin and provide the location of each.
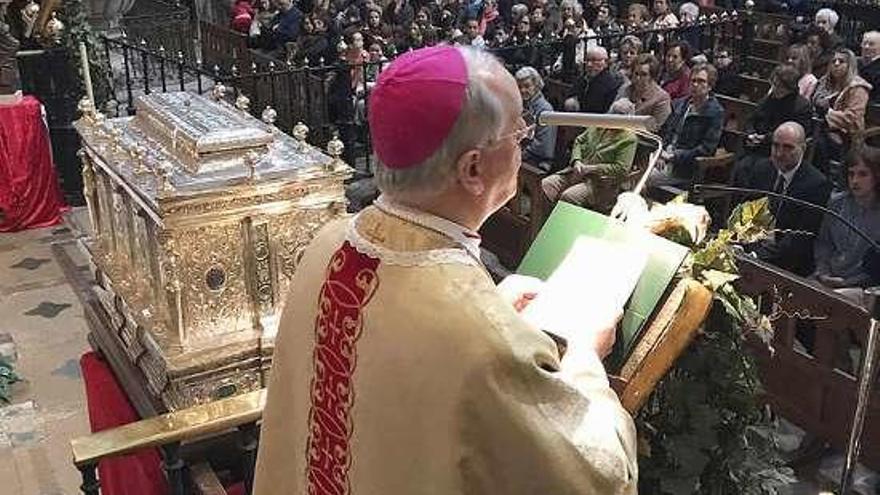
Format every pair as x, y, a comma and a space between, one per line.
214, 290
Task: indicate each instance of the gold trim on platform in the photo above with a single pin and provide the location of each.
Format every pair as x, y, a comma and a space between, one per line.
206, 419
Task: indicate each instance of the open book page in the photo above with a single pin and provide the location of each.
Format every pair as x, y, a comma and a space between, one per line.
588, 289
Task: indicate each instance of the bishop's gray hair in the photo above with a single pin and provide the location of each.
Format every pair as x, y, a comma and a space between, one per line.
481, 120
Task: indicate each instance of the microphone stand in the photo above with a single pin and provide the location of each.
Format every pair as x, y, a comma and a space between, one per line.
869, 363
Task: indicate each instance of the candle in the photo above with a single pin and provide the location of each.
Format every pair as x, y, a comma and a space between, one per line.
87, 73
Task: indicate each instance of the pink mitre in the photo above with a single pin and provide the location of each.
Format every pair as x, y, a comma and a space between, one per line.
415, 104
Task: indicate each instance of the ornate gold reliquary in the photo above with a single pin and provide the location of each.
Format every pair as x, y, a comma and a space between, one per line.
199, 215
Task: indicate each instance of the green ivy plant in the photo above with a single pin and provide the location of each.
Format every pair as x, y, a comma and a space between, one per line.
7, 378
704, 429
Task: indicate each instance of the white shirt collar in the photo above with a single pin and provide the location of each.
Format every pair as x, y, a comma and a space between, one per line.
461, 235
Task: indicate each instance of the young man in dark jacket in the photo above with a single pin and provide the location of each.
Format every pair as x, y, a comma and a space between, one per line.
692, 131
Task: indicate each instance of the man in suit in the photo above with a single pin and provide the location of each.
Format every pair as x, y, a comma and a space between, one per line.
786, 172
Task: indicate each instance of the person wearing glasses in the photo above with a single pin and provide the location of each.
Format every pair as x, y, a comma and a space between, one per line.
596, 91
644, 92
728, 73
840, 101
399, 367
693, 130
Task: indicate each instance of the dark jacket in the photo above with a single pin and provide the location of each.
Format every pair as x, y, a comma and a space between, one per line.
692, 134
773, 112
286, 28
871, 73
792, 251
595, 95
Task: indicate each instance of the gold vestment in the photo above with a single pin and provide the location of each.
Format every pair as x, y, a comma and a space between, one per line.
400, 369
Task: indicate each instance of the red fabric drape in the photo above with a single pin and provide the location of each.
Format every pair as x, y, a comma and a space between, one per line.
29, 192
134, 474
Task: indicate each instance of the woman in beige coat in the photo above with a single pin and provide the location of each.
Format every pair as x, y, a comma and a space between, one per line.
840, 99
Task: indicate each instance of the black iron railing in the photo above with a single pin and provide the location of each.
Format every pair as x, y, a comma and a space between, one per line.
163, 23
325, 95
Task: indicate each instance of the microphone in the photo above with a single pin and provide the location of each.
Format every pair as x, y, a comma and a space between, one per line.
872, 296
699, 188
605, 120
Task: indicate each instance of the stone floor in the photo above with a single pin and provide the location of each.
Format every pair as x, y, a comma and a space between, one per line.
43, 317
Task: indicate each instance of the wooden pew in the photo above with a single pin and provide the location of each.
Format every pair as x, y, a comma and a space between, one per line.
223, 47
752, 88
737, 113
771, 26
813, 387
760, 67
768, 49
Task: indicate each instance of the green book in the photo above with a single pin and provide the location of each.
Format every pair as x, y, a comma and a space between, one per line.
567, 223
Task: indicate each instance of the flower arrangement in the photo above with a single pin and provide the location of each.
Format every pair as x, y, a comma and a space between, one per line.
704, 429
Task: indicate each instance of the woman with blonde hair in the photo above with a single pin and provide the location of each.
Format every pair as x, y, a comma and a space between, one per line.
628, 51
841, 98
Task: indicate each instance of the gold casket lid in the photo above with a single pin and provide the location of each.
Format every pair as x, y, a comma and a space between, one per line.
196, 130
183, 145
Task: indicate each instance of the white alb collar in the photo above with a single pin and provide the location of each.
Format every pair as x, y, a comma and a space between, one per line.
459, 234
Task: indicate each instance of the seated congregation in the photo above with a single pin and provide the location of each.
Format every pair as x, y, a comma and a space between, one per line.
793, 102
808, 135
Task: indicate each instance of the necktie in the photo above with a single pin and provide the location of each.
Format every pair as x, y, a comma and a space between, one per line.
779, 187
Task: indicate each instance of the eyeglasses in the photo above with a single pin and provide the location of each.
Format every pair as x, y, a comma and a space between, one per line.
519, 136
838, 61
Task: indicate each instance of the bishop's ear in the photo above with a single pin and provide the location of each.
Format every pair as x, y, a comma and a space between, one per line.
470, 172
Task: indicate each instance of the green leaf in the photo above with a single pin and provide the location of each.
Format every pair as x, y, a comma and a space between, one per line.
715, 279
751, 221
8, 376
678, 234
